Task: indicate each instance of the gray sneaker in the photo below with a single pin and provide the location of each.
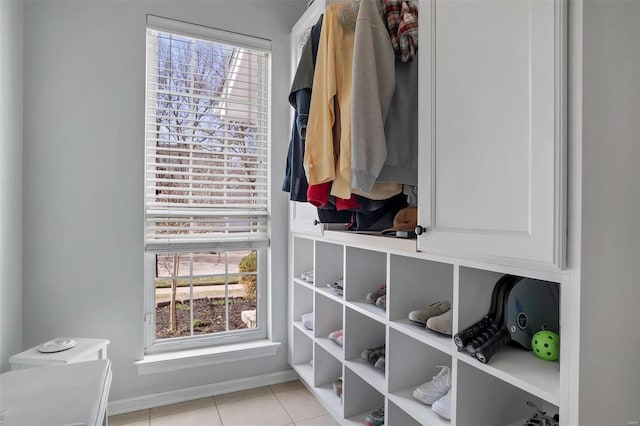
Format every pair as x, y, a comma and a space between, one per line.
374, 296
435, 309
371, 355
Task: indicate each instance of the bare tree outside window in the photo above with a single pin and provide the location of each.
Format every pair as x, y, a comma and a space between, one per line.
200, 134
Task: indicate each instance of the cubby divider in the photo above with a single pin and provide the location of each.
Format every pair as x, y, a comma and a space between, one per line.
298, 326
368, 309
370, 375
419, 332
303, 283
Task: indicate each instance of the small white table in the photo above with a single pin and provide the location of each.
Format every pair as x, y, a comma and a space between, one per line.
84, 350
62, 394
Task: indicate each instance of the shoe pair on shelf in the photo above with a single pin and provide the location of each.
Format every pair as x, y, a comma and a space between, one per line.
375, 356
375, 418
307, 276
337, 336
378, 297
307, 320
337, 287
437, 317
437, 393
540, 418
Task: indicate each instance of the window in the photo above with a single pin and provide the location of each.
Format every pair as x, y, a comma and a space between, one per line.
206, 185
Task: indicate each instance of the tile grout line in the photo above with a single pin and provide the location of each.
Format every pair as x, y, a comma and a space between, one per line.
295, 422
282, 405
215, 403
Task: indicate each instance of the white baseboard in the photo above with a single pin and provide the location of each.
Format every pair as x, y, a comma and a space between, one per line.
180, 395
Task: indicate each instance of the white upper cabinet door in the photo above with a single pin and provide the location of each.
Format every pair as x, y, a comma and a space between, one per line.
492, 142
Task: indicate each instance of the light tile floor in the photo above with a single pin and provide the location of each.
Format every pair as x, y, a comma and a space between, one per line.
277, 405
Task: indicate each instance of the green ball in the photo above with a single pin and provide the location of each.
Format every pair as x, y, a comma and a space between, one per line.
546, 345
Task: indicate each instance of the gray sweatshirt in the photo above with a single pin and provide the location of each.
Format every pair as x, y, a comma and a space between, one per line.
384, 132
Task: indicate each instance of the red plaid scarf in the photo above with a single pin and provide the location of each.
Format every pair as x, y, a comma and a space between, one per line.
402, 24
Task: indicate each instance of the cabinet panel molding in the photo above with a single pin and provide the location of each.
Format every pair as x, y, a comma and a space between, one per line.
492, 144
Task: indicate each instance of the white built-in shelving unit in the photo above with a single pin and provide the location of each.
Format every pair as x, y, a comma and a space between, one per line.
482, 394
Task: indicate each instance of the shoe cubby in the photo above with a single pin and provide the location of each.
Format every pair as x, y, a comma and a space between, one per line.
360, 398
483, 399
327, 319
329, 267
325, 372
362, 333
412, 363
367, 272
302, 354
512, 364
302, 304
414, 284
394, 415
303, 259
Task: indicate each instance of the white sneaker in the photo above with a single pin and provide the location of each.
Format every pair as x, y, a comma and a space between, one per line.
430, 392
442, 407
307, 320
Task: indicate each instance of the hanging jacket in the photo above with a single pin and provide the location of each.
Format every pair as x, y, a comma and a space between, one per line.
332, 79
295, 181
384, 145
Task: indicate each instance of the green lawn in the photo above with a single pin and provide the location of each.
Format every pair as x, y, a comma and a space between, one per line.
184, 282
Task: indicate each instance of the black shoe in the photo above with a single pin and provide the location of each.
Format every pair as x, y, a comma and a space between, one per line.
540, 418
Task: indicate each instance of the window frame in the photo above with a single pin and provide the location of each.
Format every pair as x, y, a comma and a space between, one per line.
152, 345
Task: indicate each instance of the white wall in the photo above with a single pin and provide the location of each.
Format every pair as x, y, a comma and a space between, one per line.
10, 180
83, 174
610, 289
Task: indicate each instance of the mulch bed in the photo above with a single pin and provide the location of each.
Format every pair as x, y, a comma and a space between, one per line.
208, 314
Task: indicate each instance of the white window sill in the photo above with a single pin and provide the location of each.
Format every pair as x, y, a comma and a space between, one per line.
178, 360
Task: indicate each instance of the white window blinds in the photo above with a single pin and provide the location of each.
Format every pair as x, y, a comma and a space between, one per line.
207, 139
